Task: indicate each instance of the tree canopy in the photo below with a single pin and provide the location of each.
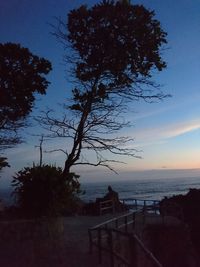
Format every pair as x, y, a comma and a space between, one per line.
21, 76
116, 39
113, 49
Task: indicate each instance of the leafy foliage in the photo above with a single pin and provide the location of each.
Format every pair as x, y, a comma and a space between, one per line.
118, 45
44, 191
118, 39
21, 76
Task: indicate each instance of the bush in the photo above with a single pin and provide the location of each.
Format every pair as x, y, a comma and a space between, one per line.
44, 191
189, 206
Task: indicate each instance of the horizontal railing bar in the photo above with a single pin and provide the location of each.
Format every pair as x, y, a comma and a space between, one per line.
114, 229
111, 220
106, 201
140, 199
106, 208
148, 253
139, 202
119, 232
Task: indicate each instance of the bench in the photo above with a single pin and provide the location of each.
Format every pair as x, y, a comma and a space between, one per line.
106, 205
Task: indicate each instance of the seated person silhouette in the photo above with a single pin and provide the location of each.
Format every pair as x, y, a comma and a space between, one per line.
112, 195
93, 207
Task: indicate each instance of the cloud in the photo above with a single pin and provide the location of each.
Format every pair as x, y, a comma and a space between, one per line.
148, 136
182, 128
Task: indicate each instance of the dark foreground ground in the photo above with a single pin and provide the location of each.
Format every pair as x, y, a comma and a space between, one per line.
72, 251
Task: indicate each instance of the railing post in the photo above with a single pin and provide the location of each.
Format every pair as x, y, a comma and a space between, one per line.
110, 238
133, 225
125, 222
90, 241
116, 223
99, 245
113, 207
100, 212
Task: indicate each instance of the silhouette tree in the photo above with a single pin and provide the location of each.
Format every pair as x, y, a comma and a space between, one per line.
21, 76
112, 50
41, 190
3, 163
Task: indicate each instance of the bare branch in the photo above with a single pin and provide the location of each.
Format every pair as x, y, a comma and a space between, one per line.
57, 150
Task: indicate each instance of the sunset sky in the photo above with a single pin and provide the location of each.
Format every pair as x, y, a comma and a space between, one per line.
167, 133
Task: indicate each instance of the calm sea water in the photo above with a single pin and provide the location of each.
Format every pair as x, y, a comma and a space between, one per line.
154, 189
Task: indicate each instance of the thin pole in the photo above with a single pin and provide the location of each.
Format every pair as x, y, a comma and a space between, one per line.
99, 245
111, 247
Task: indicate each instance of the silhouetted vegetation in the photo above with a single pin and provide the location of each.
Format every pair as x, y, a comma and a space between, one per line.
111, 49
187, 208
3, 163
22, 74
44, 191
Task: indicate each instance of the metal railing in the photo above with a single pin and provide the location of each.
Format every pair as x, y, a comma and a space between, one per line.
107, 235
113, 235
128, 203
141, 204
98, 233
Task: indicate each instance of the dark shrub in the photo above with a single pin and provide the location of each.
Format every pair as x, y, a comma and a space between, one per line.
44, 191
189, 207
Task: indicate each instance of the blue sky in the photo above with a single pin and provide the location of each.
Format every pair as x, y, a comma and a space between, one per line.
167, 133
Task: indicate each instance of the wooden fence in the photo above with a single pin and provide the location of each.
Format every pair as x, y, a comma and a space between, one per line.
106, 205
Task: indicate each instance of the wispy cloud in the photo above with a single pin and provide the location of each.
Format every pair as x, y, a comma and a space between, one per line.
182, 128
148, 136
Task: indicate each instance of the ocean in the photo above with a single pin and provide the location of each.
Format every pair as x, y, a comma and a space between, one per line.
148, 189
